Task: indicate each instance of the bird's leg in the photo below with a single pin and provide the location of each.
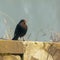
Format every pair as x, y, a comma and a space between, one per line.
15, 37
23, 39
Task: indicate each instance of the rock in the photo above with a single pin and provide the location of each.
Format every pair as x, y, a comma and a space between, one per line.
11, 57
32, 50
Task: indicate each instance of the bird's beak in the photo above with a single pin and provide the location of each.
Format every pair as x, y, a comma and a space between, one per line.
25, 21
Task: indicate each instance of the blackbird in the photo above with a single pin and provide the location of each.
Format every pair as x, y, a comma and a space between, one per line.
20, 30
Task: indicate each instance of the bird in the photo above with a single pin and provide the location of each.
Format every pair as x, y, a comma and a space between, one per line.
20, 30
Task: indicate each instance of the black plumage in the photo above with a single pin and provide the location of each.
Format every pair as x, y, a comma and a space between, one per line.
20, 30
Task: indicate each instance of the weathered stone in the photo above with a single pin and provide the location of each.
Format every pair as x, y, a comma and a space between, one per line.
56, 55
32, 50
9, 46
1, 57
33, 58
41, 51
11, 57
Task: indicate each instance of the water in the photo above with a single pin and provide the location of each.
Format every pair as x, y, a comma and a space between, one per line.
43, 18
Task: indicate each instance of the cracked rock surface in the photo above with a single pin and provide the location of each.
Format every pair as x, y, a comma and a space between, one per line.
33, 50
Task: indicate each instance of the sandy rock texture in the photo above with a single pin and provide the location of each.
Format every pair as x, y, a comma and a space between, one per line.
32, 50
42, 50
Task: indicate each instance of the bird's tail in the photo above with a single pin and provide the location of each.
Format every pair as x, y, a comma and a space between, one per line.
15, 38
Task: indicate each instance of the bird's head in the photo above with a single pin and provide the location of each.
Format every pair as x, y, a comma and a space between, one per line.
23, 23
23, 20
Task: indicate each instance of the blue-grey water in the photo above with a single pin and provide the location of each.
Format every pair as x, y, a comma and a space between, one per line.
43, 18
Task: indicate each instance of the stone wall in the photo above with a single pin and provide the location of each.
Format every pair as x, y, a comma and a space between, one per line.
32, 50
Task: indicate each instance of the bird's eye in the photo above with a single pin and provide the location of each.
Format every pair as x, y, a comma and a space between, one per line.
24, 22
